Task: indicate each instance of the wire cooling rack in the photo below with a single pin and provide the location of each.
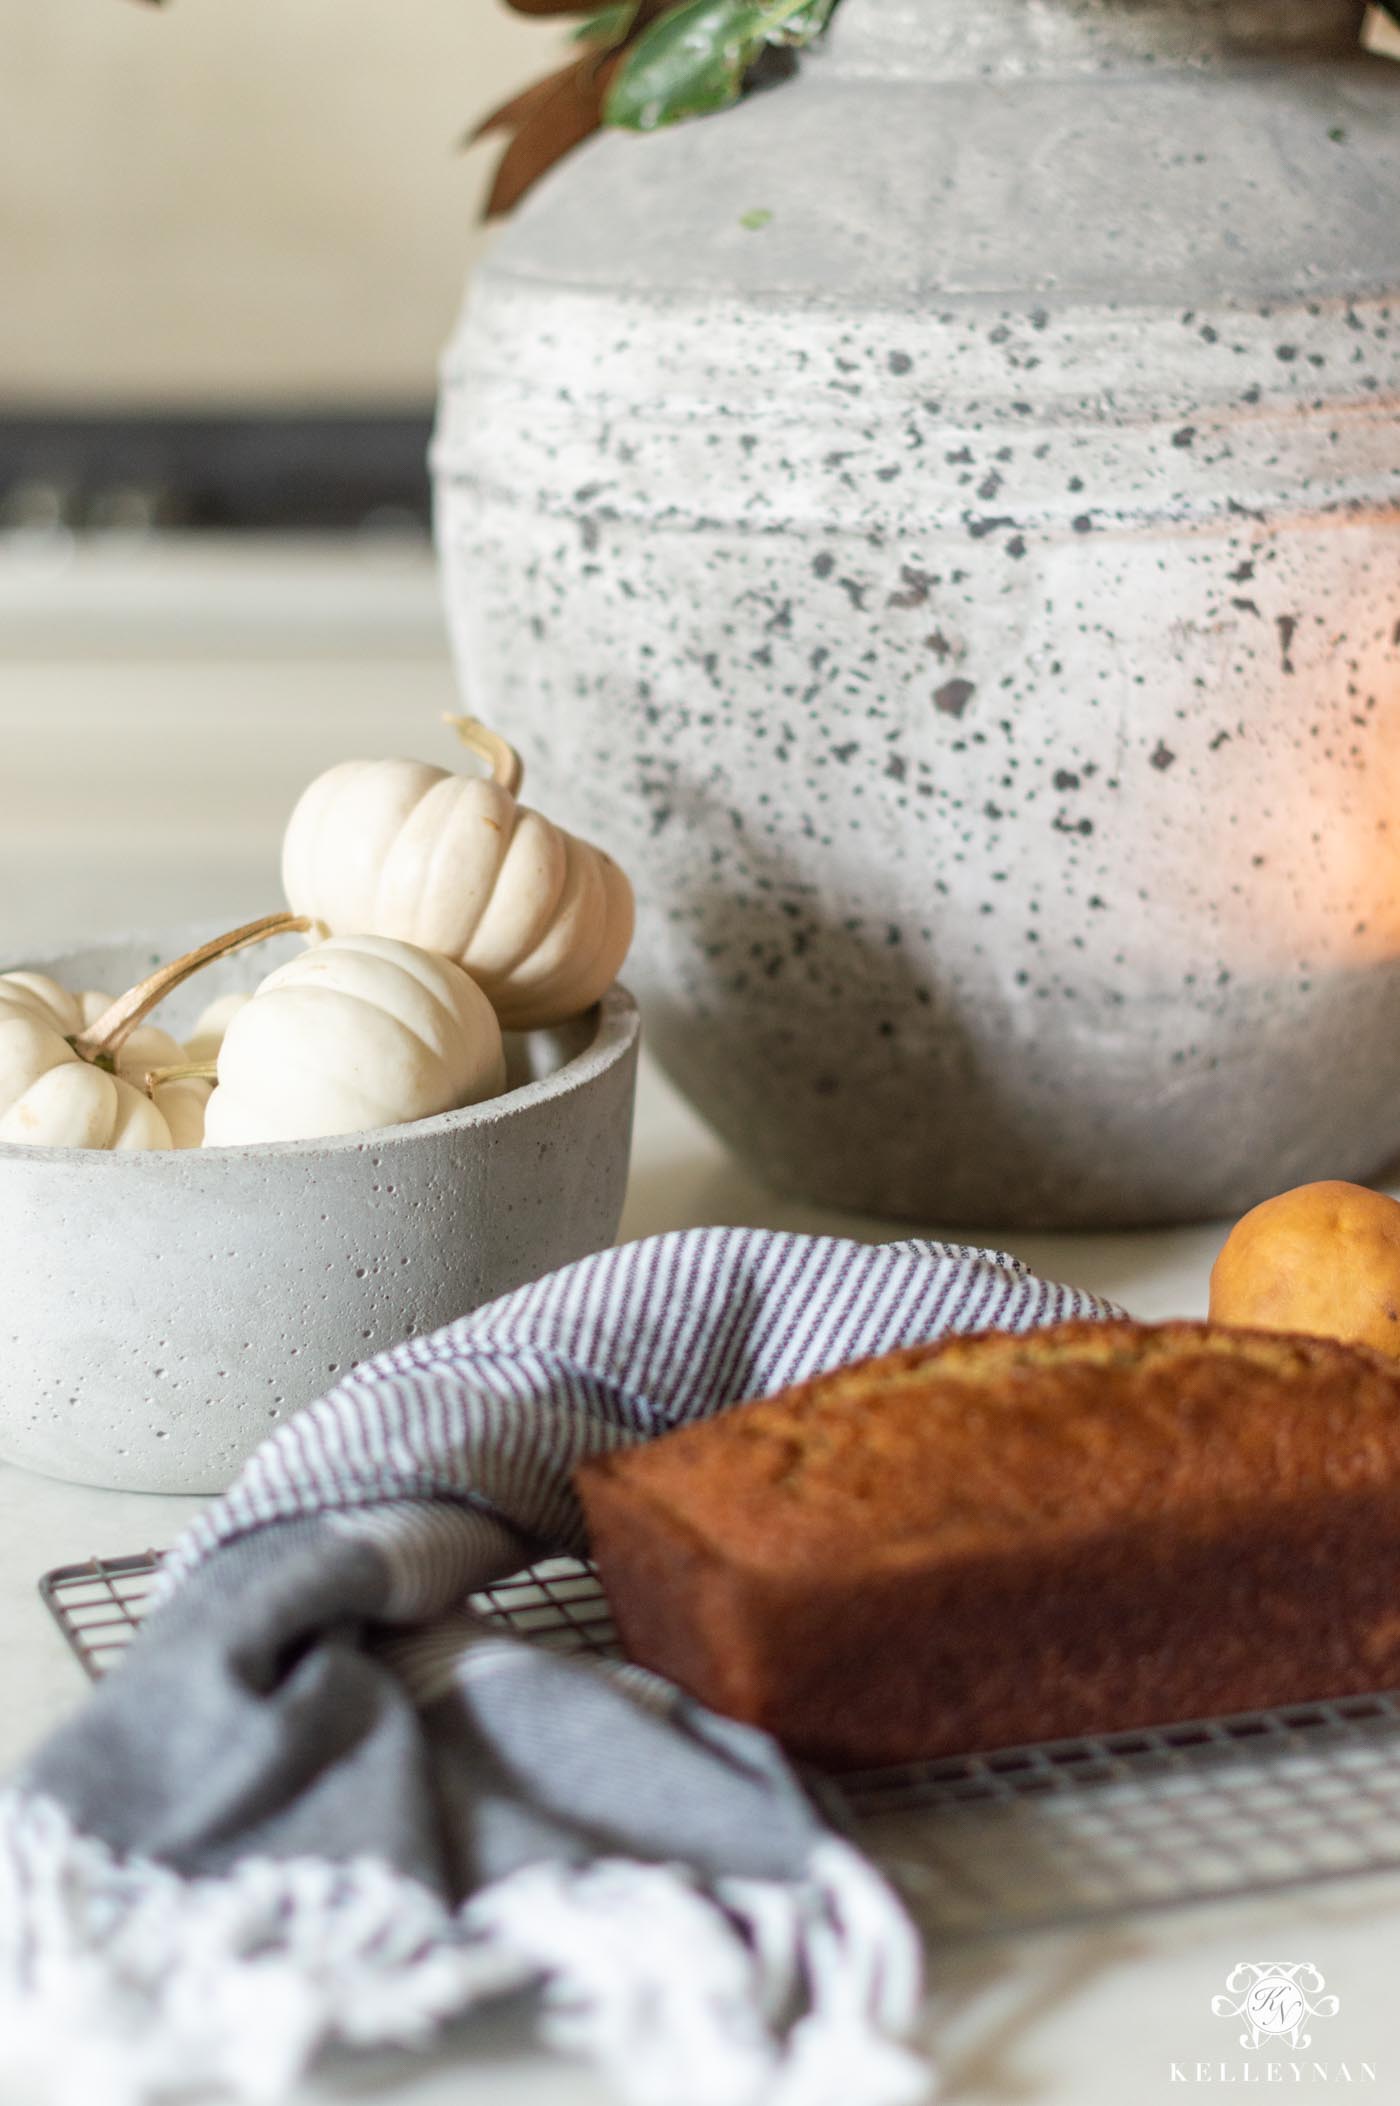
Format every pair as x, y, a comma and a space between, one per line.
1017, 1839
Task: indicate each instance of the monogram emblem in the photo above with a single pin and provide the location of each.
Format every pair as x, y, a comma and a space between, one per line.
1276, 1999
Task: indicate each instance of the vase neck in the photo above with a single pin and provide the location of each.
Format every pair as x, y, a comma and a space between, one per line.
932, 39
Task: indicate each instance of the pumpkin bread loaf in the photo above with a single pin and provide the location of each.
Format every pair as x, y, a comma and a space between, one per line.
1011, 1538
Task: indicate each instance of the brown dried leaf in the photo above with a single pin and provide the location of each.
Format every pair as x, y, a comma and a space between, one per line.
555, 114
553, 7
554, 125
510, 115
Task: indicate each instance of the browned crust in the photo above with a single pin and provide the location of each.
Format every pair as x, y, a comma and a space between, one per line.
1003, 1538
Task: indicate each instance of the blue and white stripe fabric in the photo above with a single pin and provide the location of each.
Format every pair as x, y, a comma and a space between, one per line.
500, 1408
322, 1802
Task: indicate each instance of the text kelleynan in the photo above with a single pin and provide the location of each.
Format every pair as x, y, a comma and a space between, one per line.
1275, 2073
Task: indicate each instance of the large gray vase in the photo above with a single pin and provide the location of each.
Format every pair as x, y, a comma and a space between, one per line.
939, 524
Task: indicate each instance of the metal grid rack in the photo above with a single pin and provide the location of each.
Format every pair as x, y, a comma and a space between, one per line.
1019, 1838
98, 1606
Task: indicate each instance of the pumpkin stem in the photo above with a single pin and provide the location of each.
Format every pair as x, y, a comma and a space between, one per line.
101, 1039
182, 1071
507, 768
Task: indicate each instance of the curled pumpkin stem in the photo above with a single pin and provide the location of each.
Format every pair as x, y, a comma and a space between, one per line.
505, 764
181, 1071
103, 1039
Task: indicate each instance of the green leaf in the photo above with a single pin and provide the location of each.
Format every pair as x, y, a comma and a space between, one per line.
801, 24
609, 26
694, 58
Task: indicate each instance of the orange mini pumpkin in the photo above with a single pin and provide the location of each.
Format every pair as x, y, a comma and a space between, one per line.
1323, 1259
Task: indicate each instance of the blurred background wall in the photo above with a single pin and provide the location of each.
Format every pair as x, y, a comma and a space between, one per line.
233, 235
230, 203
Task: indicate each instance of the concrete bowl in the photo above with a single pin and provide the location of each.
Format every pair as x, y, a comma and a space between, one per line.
164, 1310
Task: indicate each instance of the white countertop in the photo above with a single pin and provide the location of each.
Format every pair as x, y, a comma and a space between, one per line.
138, 719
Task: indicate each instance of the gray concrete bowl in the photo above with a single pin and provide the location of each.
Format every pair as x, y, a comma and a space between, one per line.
163, 1311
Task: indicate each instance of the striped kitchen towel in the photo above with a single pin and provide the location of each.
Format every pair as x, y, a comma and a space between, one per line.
320, 1802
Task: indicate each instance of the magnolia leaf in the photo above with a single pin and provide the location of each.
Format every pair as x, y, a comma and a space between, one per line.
510, 116
553, 125
690, 62
552, 7
694, 58
801, 24
609, 26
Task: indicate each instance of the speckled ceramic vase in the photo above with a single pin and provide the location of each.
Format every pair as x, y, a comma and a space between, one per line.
939, 524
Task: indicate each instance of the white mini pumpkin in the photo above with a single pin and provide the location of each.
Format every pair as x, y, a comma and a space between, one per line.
71, 1064
541, 920
51, 1098
360, 1031
180, 1103
210, 1025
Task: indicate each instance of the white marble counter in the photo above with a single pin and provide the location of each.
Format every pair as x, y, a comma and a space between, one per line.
221, 732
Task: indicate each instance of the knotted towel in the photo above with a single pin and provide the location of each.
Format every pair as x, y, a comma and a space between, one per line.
322, 1802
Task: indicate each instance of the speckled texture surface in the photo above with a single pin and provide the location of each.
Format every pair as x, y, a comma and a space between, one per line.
163, 1311
968, 602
